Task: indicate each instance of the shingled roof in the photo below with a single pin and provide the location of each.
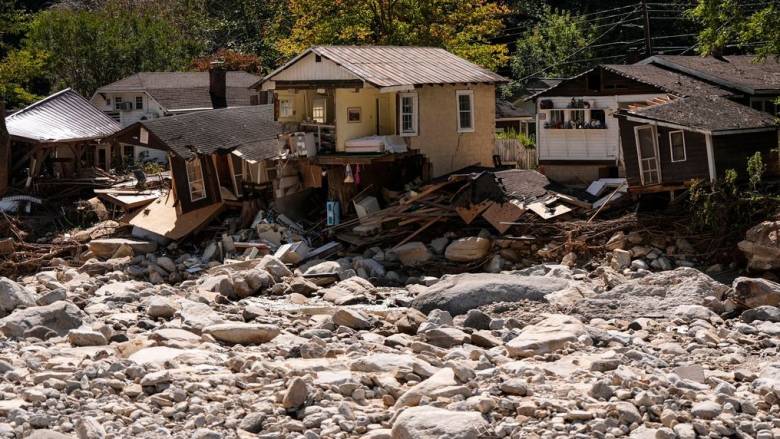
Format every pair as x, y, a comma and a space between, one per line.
388, 66
249, 130
178, 91
706, 113
740, 72
64, 116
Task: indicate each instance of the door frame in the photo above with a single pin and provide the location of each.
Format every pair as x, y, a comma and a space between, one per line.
657, 155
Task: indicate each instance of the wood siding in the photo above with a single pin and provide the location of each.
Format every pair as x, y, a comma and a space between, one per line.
610, 84
179, 173
694, 166
732, 151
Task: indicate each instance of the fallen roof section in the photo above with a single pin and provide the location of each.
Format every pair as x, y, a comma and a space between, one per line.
249, 131
392, 66
64, 116
161, 220
181, 91
706, 113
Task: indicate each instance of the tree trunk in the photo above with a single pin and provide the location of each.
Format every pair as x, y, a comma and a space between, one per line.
5, 151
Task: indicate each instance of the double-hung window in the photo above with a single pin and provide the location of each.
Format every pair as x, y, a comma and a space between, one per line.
285, 108
465, 110
118, 103
195, 179
677, 145
408, 113
139, 102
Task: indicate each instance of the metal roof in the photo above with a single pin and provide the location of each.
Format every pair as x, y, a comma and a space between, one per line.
64, 116
177, 91
249, 130
388, 66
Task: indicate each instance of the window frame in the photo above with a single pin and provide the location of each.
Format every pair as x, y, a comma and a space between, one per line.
288, 101
671, 147
470, 94
117, 103
315, 105
656, 157
139, 102
197, 165
415, 115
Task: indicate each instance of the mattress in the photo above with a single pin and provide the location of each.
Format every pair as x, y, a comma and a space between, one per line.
394, 144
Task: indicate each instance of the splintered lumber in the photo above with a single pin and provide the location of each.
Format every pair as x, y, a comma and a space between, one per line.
161, 218
417, 232
573, 200
428, 190
500, 216
469, 214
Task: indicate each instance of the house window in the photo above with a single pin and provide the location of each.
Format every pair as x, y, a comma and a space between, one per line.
677, 145
408, 114
139, 102
465, 111
765, 104
117, 103
353, 115
648, 157
318, 111
238, 172
195, 179
285, 108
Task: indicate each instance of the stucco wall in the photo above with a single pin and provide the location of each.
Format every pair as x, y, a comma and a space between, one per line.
438, 137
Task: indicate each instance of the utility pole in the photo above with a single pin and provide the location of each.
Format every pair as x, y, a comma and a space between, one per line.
648, 40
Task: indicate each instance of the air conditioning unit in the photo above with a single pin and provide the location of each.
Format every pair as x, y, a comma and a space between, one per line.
125, 106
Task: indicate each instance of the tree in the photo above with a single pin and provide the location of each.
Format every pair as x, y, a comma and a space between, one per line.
464, 27
23, 77
558, 46
233, 61
90, 48
746, 24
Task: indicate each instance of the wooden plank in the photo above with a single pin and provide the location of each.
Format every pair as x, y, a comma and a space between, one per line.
572, 200
499, 215
469, 214
161, 218
417, 232
427, 190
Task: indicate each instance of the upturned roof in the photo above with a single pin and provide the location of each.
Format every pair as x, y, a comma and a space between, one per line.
64, 116
706, 113
177, 91
249, 130
388, 66
741, 72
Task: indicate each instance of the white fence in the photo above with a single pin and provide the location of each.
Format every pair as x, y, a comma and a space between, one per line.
512, 152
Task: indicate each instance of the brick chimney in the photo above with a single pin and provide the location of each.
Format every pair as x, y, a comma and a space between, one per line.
218, 84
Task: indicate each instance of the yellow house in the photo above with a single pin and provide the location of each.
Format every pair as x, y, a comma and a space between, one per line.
387, 99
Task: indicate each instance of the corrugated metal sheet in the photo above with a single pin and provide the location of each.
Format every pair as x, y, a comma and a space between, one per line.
389, 66
62, 117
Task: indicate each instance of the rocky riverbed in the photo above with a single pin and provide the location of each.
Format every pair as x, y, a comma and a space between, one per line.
254, 349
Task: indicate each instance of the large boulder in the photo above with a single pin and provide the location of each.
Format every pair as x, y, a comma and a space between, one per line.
106, 248
428, 422
13, 295
755, 292
445, 377
549, 335
459, 293
413, 253
275, 267
59, 317
655, 295
468, 249
762, 246
242, 333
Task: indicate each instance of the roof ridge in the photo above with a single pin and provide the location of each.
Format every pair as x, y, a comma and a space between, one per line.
40, 102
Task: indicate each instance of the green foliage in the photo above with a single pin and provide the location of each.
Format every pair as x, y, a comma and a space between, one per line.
90, 48
152, 167
755, 170
750, 24
559, 40
20, 73
464, 27
512, 134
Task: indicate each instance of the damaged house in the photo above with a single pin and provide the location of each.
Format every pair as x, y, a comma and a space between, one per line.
150, 95
667, 144
381, 116
216, 159
61, 138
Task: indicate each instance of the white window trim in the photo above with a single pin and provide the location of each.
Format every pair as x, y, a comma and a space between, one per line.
415, 115
289, 107
202, 179
470, 94
654, 133
671, 147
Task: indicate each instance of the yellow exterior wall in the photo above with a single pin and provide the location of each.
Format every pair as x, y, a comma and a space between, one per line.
299, 106
365, 99
438, 137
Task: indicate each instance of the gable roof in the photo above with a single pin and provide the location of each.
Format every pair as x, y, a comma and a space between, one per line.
706, 113
389, 66
177, 91
508, 110
64, 116
249, 130
739, 72
665, 80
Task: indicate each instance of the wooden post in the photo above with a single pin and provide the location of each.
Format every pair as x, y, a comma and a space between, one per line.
5, 151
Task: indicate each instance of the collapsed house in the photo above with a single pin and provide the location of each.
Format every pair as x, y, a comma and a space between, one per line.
666, 144
61, 139
150, 95
216, 159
